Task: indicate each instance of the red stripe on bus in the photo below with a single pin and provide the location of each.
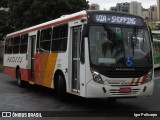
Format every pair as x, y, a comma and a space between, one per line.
25, 74
11, 71
48, 25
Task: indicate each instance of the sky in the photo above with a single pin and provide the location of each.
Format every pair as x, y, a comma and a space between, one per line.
106, 4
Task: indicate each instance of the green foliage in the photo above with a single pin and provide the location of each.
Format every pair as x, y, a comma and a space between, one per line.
4, 26
4, 3
26, 13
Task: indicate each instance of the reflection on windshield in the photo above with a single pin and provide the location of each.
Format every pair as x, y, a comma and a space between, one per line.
115, 46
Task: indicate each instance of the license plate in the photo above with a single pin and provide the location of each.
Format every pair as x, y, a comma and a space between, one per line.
125, 90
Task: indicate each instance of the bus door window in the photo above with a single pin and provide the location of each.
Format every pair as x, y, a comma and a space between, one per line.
32, 41
76, 36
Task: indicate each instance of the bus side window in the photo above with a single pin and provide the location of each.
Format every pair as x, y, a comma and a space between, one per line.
45, 40
9, 48
16, 45
24, 43
59, 38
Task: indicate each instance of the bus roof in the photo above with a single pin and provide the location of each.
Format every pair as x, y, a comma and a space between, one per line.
60, 20
64, 19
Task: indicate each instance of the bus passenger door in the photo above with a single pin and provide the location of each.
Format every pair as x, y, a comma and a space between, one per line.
76, 36
32, 50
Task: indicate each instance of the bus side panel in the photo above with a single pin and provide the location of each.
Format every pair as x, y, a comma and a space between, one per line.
36, 66
25, 74
41, 68
50, 69
10, 71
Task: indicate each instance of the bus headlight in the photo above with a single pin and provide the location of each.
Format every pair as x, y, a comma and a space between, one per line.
97, 77
147, 78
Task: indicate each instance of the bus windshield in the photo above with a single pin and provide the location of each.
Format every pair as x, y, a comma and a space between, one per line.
118, 46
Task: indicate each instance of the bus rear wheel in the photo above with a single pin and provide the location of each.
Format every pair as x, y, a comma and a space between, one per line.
19, 81
61, 88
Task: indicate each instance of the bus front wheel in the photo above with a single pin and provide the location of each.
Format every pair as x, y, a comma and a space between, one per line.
61, 88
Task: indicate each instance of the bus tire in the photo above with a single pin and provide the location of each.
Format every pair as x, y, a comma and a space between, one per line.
19, 81
61, 88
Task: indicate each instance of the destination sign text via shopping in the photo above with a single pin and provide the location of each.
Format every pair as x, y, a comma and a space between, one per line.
117, 19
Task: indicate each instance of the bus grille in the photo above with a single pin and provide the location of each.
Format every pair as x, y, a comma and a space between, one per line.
115, 92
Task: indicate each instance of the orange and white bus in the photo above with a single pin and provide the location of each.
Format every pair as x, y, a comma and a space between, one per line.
93, 54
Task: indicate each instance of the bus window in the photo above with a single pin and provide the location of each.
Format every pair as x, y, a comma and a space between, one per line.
24, 43
10, 44
16, 45
59, 39
45, 40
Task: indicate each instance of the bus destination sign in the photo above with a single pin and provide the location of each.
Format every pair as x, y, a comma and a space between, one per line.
117, 19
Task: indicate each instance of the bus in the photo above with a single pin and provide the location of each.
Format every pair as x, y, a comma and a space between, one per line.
92, 54
156, 47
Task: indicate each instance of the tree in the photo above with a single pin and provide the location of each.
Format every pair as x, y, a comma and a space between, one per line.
4, 3
26, 13
4, 26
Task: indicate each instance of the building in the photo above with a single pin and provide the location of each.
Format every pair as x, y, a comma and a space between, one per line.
135, 8
158, 9
121, 7
153, 12
113, 9
94, 7
145, 13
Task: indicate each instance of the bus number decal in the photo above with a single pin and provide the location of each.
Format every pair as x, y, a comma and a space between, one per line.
15, 59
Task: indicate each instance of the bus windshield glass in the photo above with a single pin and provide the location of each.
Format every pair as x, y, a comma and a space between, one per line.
118, 46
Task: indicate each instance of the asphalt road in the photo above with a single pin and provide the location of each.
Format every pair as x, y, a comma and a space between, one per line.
35, 98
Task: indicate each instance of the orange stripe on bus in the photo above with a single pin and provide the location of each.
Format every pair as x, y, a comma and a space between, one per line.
41, 68
50, 69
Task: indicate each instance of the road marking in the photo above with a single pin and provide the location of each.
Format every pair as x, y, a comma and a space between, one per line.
157, 78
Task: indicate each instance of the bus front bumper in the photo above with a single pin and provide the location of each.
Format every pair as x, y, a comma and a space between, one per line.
95, 90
